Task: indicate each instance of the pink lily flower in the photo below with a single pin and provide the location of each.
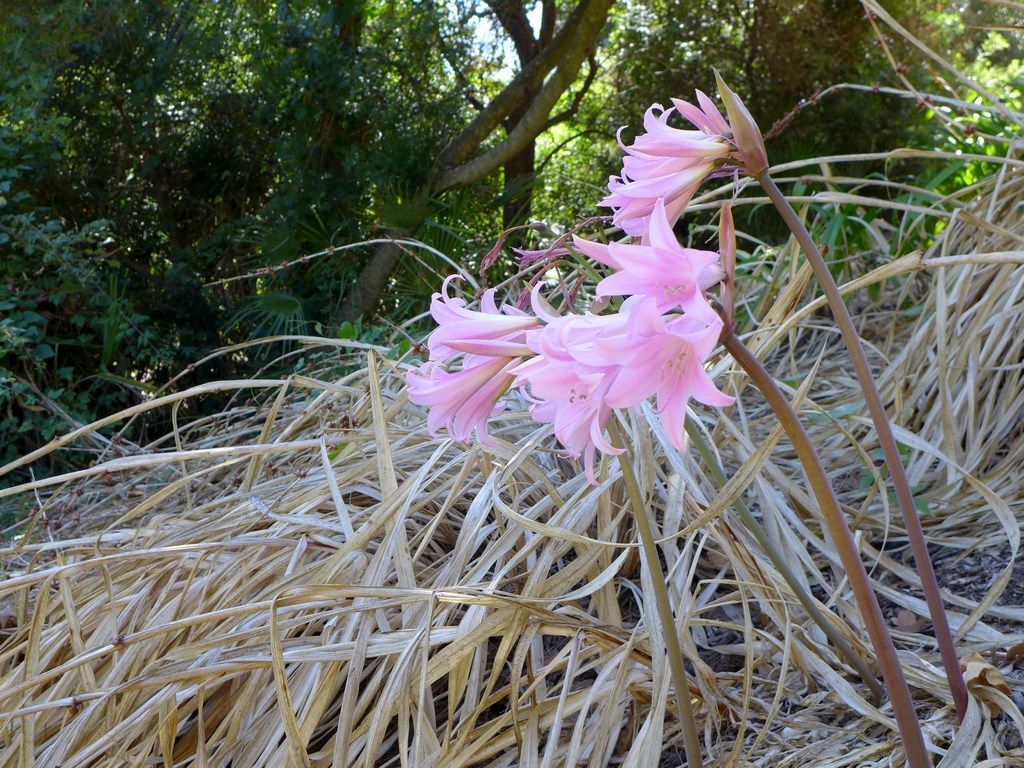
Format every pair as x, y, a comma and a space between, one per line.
567, 384
660, 268
588, 365
664, 163
576, 369
670, 163
663, 355
462, 400
485, 332
704, 115
571, 398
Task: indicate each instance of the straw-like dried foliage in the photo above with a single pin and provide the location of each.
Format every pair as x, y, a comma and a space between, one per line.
314, 580
310, 579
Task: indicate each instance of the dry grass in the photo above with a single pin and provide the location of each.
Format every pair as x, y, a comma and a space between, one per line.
315, 581
311, 580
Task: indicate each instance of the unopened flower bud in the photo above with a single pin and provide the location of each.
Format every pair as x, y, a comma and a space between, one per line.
746, 134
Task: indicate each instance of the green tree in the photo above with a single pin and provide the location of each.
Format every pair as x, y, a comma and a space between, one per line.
157, 160
550, 62
154, 151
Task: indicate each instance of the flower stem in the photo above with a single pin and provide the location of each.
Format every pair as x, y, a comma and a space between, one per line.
845, 649
918, 545
881, 640
691, 740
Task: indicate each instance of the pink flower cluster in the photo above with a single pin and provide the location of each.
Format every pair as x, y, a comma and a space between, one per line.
669, 164
576, 369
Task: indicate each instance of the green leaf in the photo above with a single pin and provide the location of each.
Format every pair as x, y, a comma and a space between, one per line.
846, 410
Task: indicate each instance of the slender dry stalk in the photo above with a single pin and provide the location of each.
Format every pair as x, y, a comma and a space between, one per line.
881, 641
890, 451
663, 605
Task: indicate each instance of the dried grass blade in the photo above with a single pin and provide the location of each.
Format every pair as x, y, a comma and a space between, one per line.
344, 518
296, 745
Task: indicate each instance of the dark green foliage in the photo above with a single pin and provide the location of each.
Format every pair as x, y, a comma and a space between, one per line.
149, 151
152, 152
776, 54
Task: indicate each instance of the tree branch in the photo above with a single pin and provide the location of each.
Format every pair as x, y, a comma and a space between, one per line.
512, 17
575, 42
549, 14
573, 108
529, 98
568, 47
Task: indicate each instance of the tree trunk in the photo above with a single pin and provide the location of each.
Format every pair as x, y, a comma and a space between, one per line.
519, 175
524, 107
362, 299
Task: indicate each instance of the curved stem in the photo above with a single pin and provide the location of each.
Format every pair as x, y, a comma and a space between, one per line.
691, 740
887, 441
881, 640
766, 544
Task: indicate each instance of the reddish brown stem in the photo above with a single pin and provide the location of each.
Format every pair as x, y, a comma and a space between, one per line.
874, 622
887, 441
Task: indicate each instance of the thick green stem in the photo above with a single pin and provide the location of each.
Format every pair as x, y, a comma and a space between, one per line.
874, 622
918, 545
691, 739
766, 544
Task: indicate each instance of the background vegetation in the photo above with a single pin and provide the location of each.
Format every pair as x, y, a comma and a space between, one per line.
270, 569
153, 153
